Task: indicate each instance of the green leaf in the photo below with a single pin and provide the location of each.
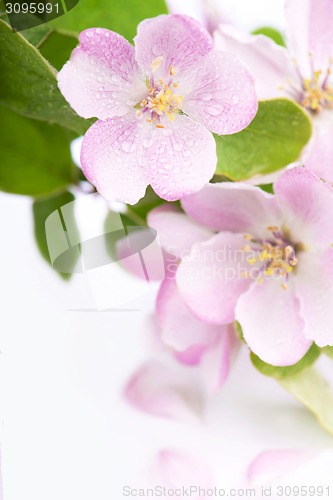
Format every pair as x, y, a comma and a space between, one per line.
119, 15
35, 156
272, 33
274, 139
279, 372
29, 85
314, 392
36, 35
41, 210
57, 48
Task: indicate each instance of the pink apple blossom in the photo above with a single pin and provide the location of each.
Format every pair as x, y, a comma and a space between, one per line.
157, 104
269, 265
301, 72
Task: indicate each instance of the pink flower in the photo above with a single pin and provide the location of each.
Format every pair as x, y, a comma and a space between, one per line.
193, 341
156, 103
301, 72
270, 266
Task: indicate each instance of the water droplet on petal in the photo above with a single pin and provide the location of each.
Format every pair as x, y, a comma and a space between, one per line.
128, 146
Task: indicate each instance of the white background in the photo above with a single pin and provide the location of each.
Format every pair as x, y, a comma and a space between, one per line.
68, 433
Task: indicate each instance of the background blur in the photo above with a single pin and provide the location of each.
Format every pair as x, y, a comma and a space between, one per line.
68, 434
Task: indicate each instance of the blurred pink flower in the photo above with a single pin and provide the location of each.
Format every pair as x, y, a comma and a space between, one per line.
207, 12
156, 389
270, 266
301, 72
157, 103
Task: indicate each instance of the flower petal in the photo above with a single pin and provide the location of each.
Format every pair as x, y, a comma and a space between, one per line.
270, 64
141, 254
309, 31
180, 328
98, 80
314, 288
237, 207
180, 40
309, 204
180, 159
222, 98
175, 231
210, 280
157, 390
319, 153
274, 465
217, 359
109, 158
272, 323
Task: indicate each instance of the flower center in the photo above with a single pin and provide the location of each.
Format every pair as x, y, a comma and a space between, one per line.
317, 93
161, 99
274, 257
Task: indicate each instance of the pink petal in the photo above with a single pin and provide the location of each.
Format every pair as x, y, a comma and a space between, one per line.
180, 40
180, 329
141, 254
319, 154
157, 390
210, 280
222, 98
175, 231
309, 30
217, 359
99, 78
210, 13
308, 202
314, 287
191, 356
236, 207
270, 64
274, 465
109, 158
177, 469
180, 159
272, 324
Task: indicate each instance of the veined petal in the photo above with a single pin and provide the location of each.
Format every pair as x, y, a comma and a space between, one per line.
272, 324
100, 79
109, 158
308, 203
211, 279
236, 207
270, 64
319, 153
179, 40
314, 288
180, 328
157, 390
222, 95
180, 159
309, 31
176, 232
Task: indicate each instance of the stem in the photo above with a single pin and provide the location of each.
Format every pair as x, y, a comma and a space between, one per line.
135, 217
311, 389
